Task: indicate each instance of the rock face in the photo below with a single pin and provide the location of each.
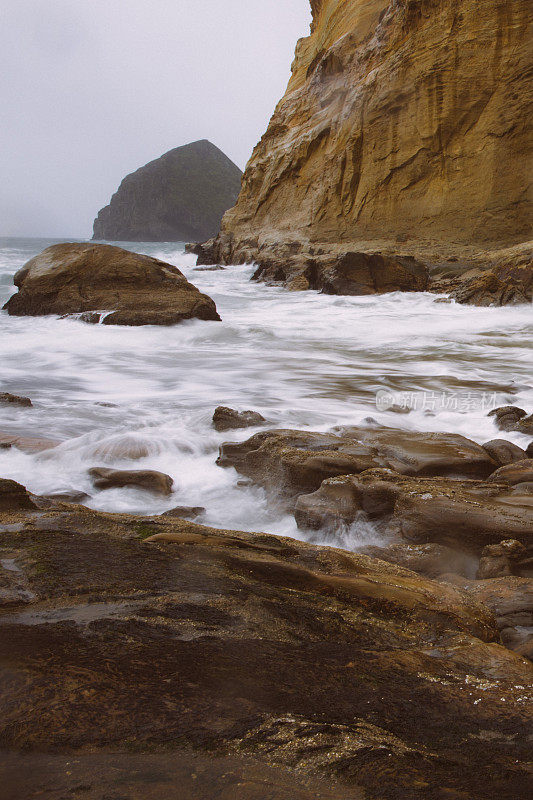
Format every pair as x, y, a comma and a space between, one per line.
140, 649
177, 197
403, 122
136, 289
351, 273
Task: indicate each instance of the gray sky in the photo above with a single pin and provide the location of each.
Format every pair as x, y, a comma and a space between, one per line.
92, 89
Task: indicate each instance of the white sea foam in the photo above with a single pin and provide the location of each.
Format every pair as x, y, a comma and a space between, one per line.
303, 360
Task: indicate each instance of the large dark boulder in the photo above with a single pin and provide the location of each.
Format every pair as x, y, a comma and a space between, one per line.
74, 278
180, 196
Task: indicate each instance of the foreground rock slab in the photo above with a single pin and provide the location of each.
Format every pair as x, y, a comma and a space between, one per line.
290, 670
135, 289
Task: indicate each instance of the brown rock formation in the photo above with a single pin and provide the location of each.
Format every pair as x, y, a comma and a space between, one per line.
137, 289
138, 650
464, 514
403, 122
292, 462
148, 479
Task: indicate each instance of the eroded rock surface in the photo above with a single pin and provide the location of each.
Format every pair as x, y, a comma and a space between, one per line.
144, 636
75, 278
293, 462
467, 514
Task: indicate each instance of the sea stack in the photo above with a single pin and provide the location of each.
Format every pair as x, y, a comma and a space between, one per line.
181, 196
404, 125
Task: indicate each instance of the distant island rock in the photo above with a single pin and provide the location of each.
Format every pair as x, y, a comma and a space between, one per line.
180, 196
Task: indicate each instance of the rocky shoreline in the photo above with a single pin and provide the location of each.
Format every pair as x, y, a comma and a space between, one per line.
131, 636
399, 671
467, 274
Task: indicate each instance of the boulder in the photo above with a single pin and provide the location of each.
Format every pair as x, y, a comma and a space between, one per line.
72, 496
507, 417
14, 399
529, 450
71, 279
463, 514
517, 472
225, 419
504, 452
293, 462
431, 560
14, 497
150, 480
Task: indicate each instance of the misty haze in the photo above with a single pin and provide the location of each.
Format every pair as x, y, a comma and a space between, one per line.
266, 400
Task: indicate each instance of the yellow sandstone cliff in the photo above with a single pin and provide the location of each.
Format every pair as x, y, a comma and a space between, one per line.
403, 121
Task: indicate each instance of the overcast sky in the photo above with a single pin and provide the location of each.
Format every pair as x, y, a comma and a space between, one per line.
92, 89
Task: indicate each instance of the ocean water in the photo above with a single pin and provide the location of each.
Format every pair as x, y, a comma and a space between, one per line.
304, 360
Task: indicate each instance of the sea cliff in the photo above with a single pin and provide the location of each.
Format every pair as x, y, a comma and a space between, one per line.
404, 126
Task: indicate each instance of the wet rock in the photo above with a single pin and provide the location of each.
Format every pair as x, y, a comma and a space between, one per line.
517, 472
504, 452
525, 425
13, 496
26, 443
225, 419
294, 462
349, 273
507, 417
6, 397
373, 273
463, 514
371, 663
185, 512
510, 599
137, 289
214, 268
498, 560
124, 447
151, 480
430, 559
529, 450
497, 287
65, 497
